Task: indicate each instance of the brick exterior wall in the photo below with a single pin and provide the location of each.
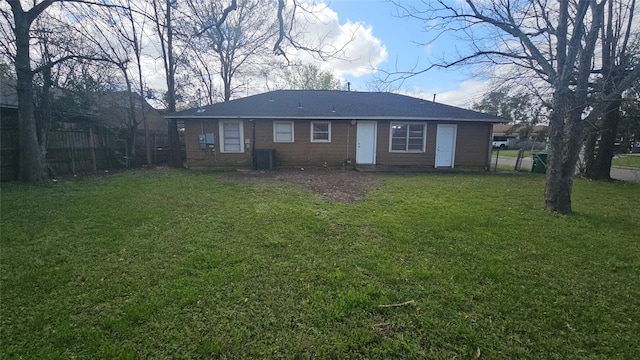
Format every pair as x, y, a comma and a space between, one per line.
472, 150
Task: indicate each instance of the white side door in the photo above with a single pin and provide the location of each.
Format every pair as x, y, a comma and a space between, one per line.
366, 143
445, 145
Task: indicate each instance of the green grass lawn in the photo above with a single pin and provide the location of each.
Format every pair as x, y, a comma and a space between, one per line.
512, 153
626, 160
618, 160
175, 264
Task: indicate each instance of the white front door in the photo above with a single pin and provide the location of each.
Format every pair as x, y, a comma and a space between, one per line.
445, 145
366, 142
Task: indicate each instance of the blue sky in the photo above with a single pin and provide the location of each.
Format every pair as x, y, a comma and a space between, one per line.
402, 37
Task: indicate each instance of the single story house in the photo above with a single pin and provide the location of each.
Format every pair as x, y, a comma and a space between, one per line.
107, 108
521, 135
297, 128
520, 131
8, 103
114, 108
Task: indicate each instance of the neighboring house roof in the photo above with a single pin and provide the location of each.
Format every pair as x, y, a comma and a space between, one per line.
8, 94
112, 107
331, 104
515, 130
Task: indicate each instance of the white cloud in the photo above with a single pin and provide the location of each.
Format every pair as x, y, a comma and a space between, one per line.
153, 72
357, 51
464, 95
428, 49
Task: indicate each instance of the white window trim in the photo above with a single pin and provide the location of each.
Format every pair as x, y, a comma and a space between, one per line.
328, 128
292, 131
424, 137
221, 135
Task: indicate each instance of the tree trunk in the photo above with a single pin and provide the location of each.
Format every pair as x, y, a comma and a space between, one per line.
567, 135
43, 112
32, 160
143, 103
601, 169
175, 154
227, 91
226, 80
557, 194
565, 139
590, 150
173, 139
131, 160
147, 139
131, 125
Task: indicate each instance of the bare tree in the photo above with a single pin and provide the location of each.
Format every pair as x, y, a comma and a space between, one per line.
32, 157
19, 48
163, 20
240, 41
164, 17
48, 38
620, 48
115, 33
553, 42
129, 29
199, 64
135, 39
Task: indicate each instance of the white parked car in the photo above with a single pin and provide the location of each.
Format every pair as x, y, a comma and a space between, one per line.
500, 142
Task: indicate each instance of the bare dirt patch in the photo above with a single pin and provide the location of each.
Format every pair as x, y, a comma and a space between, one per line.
346, 186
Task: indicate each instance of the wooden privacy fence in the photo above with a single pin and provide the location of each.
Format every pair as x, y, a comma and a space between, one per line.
82, 151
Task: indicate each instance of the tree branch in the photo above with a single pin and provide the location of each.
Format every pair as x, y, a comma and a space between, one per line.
51, 64
223, 17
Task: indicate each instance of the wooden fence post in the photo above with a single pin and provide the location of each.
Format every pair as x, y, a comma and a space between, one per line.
92, 149
73, 151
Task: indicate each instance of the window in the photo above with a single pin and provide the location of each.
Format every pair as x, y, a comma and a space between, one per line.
232, 136
407, 137
320, 131
283, 131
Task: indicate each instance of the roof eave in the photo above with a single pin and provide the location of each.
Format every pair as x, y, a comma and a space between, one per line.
411, 118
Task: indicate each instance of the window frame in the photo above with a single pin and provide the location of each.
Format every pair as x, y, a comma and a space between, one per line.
328, 140
222, 137
275, 139
408, 137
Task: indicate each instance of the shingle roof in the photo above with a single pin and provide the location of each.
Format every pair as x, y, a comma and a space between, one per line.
328, 104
